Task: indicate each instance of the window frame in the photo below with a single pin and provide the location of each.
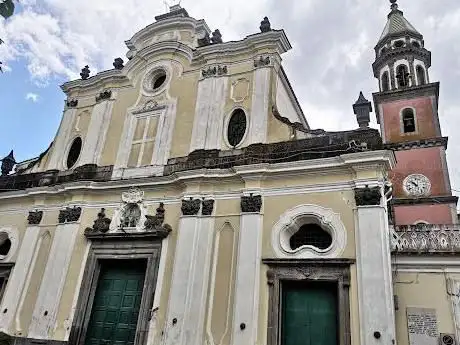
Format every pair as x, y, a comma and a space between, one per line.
401, 115
227, 122
329, 271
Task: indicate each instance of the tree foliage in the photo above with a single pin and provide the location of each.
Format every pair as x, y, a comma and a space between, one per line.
6, 11
6, 8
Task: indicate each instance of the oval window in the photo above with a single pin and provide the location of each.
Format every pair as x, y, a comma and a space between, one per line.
311, 235
236, 127
74, 152
159, 79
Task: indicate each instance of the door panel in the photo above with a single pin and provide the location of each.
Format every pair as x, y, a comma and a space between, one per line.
116, 303
309, 314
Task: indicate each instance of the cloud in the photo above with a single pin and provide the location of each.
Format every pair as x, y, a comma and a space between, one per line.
32, 97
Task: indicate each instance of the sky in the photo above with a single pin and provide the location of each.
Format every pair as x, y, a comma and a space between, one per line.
47, 42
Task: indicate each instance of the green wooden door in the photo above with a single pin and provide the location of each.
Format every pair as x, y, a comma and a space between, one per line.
116, 303
309, 315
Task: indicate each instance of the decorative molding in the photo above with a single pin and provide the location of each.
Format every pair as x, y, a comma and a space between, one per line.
72, 103
147, 107
244, 82
368, 196
433, 200
191, 207
251, 203
107, 94
214, 71
335, 271
101, 224
425, 238
208, 206
35, 217
146, 247
159, 68
262, 62
291, 221
133, 196
418, 144
69, 215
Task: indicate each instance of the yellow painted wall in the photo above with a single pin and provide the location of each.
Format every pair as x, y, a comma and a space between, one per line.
422, 290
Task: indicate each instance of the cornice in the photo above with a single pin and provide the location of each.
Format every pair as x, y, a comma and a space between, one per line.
417, 144
97, 82
448, 199
174, 23
367, 160
398, 53
274, 39
426, 90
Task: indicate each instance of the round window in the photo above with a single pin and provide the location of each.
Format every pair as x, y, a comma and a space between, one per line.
236, 127
159, 79
312, 235
74, 152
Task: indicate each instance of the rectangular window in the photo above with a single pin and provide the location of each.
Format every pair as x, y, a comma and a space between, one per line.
143, 143
309, 314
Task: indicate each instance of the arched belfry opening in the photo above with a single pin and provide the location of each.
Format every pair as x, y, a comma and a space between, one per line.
402, 76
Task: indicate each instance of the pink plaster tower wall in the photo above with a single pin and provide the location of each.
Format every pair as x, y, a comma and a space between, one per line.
420, 152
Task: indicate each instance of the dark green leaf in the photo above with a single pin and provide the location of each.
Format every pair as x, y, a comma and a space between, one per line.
6, 8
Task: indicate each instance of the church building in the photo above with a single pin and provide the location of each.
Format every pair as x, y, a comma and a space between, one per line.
185, 200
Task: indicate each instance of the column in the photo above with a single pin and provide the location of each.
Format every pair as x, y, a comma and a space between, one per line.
453, 291
52, 284
373, 258
246, 313
413, 79
24, 265
392, 75
191, 271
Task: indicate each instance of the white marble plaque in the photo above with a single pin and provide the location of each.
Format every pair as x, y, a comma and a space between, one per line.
422, 325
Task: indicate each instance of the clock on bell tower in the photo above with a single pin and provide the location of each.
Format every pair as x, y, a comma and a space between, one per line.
407, 111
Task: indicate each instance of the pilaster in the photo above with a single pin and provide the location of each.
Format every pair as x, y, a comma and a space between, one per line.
189, 286
97, 131
52, 284
18, 280
373, 257
246, 312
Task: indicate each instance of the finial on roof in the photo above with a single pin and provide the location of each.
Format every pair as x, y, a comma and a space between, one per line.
265, 25
362, 109
8, 164
394, 5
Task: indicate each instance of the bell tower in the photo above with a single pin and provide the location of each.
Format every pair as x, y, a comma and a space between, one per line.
407, 111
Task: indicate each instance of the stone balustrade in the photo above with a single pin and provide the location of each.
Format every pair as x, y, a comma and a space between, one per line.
425, 238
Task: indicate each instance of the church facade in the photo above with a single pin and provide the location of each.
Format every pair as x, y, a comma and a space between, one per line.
185, 200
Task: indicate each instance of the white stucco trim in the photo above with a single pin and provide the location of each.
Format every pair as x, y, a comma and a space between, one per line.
401, 122
258, 124
215, 259
17, 282
166, 114
374, 273
52, 284
13, 236
209, 113
395, 68
369, 160
382, 71
243, 141
23, 296
453, 291
291, 221
93, 143
61, 142
154, 336
247, 284
151, 74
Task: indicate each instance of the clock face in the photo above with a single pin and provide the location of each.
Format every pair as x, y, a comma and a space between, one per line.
417, 185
